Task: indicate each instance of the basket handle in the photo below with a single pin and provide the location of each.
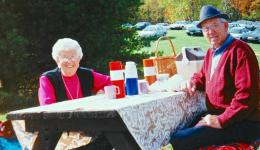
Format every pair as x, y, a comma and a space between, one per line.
163, 37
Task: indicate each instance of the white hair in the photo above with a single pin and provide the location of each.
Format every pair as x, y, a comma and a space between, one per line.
223, 20
66, 44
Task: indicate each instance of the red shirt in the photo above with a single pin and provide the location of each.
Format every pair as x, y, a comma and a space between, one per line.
233, 90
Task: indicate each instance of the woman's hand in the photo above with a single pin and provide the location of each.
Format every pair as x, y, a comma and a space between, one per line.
100, 92
211, 121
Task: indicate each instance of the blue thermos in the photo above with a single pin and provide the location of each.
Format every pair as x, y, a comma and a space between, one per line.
131, 78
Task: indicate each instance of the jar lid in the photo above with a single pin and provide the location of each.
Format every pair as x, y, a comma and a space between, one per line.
115, 65
148, 62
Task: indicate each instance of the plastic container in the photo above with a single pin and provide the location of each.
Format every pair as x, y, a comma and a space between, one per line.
149, 71
131, 78
189, 61
117, 77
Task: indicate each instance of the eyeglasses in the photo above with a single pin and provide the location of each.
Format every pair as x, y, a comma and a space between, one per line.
71, 58
210, 27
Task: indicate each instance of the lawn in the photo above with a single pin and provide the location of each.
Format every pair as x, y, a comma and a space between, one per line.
2, 117
180, 39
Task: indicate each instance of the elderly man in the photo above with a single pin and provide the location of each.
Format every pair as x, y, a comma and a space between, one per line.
230, 79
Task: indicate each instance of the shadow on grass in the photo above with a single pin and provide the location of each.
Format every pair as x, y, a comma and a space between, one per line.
147, 41
171, 37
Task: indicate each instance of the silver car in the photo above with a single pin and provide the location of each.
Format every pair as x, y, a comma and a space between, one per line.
153, 31
179, 25
254, 36
239, 32
192, 29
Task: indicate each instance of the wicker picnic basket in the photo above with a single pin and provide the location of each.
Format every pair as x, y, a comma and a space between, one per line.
165, 64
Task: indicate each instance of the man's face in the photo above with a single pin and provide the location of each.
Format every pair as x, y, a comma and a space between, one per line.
215, 31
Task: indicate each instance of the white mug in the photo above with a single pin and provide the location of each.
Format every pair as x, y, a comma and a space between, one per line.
111, 91
143, 86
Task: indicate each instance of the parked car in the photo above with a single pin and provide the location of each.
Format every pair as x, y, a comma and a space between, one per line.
179, 25
239, 32
192, 29
247, 24
254, 36
233, 24
153, 31
164, 24
257, 24
142, 25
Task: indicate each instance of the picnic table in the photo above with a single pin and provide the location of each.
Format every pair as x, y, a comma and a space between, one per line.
136, 122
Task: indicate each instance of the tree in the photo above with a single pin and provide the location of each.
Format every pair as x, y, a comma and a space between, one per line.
173, 10
255, 10
248, 9
12, 49
151, 11
233, 13
34, 26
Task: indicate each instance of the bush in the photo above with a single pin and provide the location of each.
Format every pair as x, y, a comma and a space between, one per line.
10, 102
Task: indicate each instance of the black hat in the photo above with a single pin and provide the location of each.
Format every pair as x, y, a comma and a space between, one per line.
209, 12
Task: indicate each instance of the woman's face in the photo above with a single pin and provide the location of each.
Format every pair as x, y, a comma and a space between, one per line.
68, 61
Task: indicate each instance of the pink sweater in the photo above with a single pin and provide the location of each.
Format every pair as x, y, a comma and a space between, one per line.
46, 92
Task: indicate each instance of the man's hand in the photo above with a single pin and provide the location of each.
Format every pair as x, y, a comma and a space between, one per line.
188, 87
210, 120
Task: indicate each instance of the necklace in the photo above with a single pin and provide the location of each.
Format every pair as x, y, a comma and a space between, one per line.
69, 90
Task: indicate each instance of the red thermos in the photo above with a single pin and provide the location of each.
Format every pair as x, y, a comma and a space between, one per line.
117, 77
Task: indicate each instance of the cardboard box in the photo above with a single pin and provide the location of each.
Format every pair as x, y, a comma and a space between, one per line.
189, 61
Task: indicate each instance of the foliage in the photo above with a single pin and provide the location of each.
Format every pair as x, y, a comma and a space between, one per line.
249, 9
152, 11
33, 27
229, 9
9, 102
12, 49
172, 10
255, 10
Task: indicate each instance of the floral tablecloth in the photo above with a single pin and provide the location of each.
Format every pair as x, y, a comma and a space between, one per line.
150, 118
152, 123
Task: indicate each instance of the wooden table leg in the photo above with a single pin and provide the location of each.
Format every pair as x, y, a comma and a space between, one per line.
46, 140
122, 141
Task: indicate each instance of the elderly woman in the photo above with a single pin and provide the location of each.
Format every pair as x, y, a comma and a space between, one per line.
69, 81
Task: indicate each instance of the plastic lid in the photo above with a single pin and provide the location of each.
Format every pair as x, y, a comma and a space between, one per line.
130, 63
148, 62
115, 65
130, 70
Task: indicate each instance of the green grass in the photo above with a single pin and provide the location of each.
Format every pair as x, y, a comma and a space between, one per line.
180, 39
2, 117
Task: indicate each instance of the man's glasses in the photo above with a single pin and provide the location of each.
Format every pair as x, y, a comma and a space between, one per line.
66, 58
210, 27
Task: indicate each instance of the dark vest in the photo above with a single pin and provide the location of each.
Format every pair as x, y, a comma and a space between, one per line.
86, 80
